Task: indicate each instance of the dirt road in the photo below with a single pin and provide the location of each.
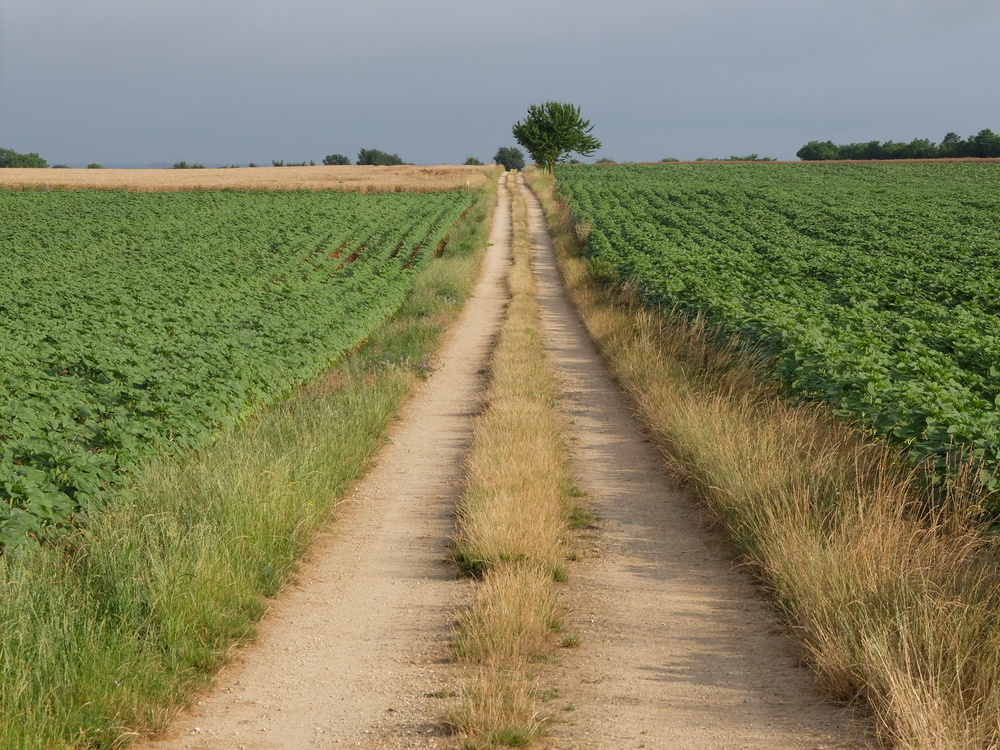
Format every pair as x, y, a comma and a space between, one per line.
352, 655
677, 651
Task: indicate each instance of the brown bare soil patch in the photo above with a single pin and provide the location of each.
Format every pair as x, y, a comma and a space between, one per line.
408, 178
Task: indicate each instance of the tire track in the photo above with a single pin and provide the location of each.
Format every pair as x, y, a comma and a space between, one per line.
677, 649
353, 654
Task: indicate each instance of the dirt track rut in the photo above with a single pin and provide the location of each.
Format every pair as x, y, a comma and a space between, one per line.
353, 654
677, 649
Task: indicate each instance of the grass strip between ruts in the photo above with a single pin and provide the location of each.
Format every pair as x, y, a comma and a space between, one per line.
513, 525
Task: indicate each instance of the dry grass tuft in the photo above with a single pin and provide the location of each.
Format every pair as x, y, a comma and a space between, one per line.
507, 513
499, 708
511, 618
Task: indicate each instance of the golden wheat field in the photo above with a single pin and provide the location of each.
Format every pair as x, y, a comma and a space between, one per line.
362, 179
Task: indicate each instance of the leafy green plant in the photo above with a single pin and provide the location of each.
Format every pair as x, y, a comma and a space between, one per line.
872, 287
142, 323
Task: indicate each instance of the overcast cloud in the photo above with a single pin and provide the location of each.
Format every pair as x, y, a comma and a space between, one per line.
436, 81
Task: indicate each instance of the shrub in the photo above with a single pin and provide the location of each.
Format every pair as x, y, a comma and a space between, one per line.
374, 157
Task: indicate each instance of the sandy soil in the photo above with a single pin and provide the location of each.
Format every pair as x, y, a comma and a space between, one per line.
677, 650
362, 179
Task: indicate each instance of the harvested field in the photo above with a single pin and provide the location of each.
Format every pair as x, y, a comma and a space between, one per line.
409, 178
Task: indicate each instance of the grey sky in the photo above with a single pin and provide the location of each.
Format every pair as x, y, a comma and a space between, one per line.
436, 81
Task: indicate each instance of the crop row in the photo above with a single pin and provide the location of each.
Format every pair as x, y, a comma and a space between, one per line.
139, 322
874, 287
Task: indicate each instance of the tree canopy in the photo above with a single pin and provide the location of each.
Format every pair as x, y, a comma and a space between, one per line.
10, 158
336, 159
509, 157
374, 157
552, 131
984, 144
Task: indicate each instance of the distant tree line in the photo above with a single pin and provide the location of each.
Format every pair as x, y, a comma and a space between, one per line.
10, 158
371, 157
984, 144
507, 157
510, 158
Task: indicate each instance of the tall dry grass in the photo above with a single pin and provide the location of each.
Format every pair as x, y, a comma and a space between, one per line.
499, 708
896, 600
512, 525
512, 616
518, 484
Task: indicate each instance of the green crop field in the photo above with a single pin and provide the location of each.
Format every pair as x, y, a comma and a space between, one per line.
875, 287
132, 323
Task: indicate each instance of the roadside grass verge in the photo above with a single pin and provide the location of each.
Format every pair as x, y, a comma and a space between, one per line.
896, 600
513, 526
105, 634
